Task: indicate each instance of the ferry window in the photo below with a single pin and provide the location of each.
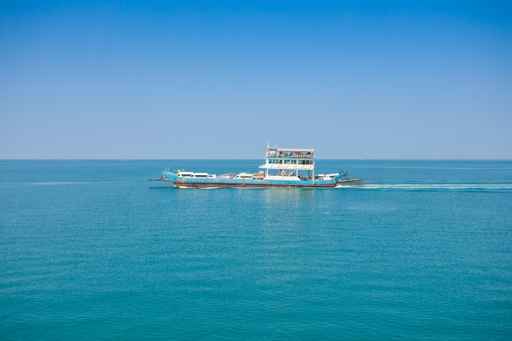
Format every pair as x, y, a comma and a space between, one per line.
294, 161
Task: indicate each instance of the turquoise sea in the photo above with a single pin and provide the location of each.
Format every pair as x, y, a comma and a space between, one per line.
91, 250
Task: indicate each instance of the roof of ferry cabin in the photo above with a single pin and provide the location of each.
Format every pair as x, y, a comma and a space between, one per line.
311, 150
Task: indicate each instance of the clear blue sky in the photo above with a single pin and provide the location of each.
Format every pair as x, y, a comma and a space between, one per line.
220, 79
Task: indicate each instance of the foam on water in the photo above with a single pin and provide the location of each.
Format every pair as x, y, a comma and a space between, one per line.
57, 183
411, 186
64, 183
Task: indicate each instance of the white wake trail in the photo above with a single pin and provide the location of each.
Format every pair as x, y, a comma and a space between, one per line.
502, 186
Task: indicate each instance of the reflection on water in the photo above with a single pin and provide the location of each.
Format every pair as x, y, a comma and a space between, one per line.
288, 196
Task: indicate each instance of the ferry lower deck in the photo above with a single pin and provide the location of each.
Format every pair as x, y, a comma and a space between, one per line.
222, 182
185, 185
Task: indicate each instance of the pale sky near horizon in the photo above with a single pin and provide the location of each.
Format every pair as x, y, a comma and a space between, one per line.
221, 79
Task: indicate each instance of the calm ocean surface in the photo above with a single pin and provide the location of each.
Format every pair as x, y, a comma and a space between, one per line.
91, 250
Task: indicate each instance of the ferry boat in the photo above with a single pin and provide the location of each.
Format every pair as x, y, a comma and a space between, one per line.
283, 167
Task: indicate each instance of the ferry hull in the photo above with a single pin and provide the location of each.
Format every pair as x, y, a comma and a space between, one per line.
211, 183
247, 186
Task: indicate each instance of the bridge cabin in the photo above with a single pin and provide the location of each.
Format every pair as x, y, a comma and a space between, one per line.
289, 164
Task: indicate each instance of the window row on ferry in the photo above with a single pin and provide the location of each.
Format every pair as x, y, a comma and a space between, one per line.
293, 154
290, 162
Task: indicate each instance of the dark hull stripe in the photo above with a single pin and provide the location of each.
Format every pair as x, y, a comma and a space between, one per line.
230, 185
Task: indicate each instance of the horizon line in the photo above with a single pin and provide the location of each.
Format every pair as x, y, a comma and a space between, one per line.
250, 159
